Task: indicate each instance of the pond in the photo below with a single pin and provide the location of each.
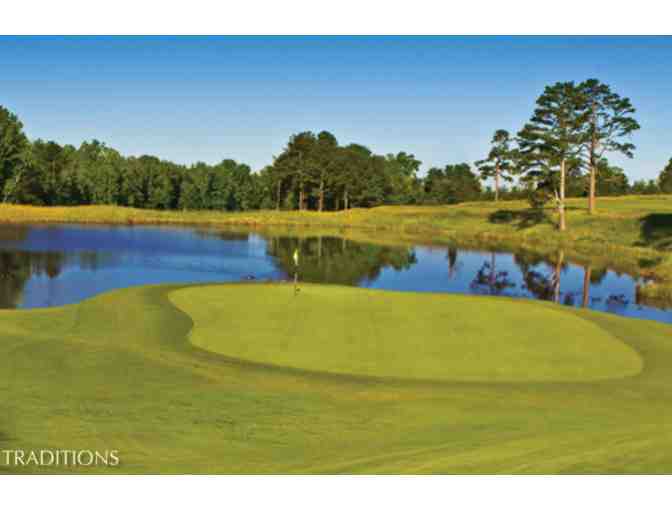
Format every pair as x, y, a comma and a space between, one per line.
43, 266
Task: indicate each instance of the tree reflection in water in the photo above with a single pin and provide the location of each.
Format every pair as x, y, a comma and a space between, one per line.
542, 276
452, 262
325, 259
32, 267
17, 267
490, 281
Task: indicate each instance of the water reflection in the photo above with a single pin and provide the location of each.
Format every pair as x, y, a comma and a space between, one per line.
55, 265
542, 278
489, 280
337, 260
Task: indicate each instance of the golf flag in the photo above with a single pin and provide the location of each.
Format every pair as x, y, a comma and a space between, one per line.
296, 257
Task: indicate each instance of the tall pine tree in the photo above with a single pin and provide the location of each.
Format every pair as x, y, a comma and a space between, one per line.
499, 163
552, 140
609, 121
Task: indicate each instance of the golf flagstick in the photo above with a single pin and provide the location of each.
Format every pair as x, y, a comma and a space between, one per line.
296, 270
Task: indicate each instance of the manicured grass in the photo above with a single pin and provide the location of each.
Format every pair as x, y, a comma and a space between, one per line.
347, 330
119, 372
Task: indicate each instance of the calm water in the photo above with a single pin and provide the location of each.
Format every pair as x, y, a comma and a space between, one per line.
55, 265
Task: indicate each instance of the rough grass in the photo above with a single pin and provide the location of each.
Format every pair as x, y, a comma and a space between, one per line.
631, 234
118, 372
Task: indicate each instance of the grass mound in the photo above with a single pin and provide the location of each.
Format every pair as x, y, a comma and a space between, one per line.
365, 332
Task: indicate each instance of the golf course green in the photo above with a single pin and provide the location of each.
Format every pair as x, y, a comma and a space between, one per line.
433, 337
253, 378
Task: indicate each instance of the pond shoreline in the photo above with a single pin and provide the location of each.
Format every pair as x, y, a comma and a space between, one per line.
605, 240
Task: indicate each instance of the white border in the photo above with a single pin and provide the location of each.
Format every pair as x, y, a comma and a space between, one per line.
343, 17
258, 17
336, 492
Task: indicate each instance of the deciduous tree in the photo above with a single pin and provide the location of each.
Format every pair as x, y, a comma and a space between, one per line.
14, 157
665, 178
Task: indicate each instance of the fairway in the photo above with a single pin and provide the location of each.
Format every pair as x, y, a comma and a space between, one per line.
496, 386
355, 331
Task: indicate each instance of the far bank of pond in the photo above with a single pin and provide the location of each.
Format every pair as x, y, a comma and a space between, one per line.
630, 234
51, 265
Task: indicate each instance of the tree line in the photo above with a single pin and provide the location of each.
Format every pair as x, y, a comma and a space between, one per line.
312, 172
46, 173
560, 152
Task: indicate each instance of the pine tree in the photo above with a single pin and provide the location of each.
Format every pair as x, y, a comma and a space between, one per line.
499, 163
609, 120
552, 140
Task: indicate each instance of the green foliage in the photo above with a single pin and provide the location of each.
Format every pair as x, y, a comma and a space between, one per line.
608, 120
15, 165
45, 173
54, 166
551, 142
574, 126
500, 162
538, 198
452, 184
146, 183
315, 172
100, 173
665, 178
228, 186
643, 187
404, 184
611, 180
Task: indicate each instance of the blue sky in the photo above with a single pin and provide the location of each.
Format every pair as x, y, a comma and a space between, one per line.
441, 98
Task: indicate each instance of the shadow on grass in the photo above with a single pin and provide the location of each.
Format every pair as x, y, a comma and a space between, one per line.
656, 231
521, 219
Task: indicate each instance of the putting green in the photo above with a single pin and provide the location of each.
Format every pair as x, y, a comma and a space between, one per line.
363, 332
118, 372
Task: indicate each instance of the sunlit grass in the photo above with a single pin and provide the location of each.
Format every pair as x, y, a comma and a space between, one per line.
118, 372
345, 330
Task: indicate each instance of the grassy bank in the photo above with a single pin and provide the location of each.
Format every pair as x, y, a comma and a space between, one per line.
171, 377
631, 234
